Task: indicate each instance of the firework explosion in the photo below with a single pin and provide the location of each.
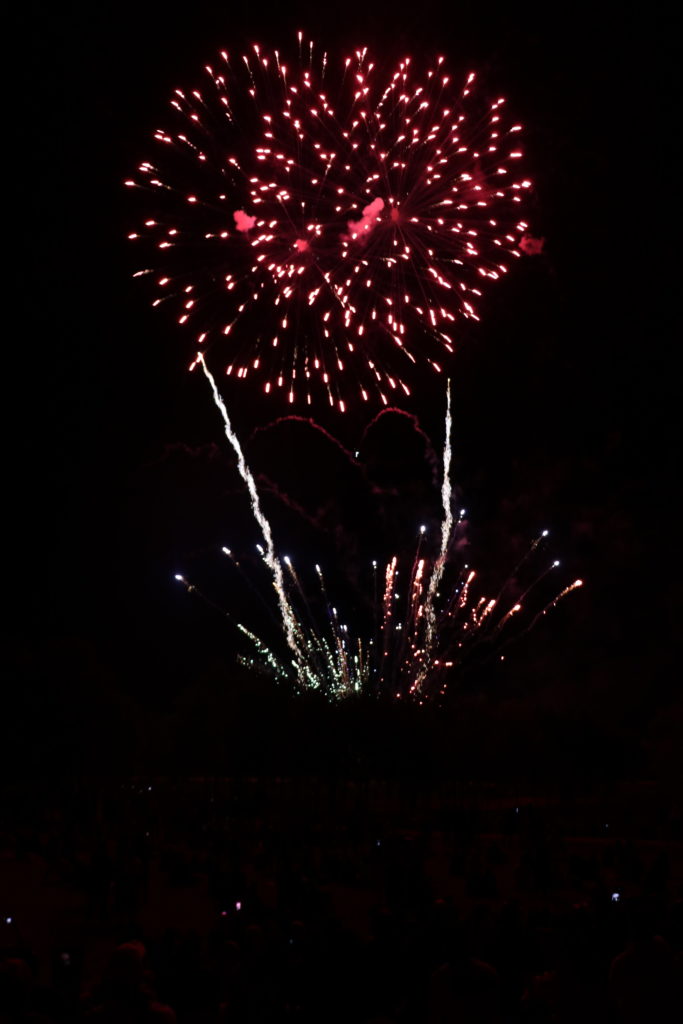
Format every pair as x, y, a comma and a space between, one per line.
422, 634
325, 224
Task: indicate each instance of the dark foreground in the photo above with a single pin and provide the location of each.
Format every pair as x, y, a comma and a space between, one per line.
317, 901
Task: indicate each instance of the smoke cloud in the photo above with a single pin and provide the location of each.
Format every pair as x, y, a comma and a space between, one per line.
359, 229
243, 222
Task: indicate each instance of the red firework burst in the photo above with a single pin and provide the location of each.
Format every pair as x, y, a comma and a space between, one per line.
330, 225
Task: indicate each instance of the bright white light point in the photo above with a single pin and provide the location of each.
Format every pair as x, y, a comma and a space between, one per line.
556, 563
545, 533
462, 511
423, 529
287, 560
179, 577
227, 551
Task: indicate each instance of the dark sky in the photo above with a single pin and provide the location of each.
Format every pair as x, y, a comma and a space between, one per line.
566, 397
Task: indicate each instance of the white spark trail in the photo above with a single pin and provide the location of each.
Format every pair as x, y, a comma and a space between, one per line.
439, 565
269, 557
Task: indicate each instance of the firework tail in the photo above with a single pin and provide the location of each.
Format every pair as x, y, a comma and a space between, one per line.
270, 558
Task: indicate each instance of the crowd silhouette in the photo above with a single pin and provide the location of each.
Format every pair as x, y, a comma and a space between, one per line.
304, 901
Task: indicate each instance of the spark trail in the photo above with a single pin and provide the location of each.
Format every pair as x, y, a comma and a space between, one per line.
446, 538
289, 621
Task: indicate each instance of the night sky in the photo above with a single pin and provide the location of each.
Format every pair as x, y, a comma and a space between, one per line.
565, 395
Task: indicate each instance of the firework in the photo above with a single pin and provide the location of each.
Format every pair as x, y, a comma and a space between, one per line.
420, 635
325, 223
269, 557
